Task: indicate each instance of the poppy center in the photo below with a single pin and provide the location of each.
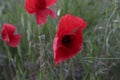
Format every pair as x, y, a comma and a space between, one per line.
41, 4
66, 40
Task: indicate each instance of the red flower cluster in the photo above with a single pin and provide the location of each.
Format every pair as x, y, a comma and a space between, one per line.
68, 39
40, 9
8, 35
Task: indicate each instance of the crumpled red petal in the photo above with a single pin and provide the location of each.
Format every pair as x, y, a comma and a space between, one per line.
64, 52
69, 23
41, 4
41, 16
30, 6
15, 40
50, 2
7, 30
8, 35
5, 36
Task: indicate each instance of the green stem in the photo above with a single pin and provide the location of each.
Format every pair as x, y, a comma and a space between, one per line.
19, 53
8, 52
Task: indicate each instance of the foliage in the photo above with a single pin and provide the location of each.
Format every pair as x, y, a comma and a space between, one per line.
33, 59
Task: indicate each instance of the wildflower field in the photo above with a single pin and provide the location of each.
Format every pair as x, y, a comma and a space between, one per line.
60, 40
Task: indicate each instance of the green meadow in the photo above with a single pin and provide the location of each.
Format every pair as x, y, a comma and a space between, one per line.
99, 58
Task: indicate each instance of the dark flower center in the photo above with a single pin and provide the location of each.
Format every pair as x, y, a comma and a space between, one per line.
41, 4
66, 40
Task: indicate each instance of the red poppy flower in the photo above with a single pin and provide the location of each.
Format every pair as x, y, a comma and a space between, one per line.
68, 39
8, 35
40, 9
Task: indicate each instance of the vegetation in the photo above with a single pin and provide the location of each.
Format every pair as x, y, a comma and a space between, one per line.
33, 59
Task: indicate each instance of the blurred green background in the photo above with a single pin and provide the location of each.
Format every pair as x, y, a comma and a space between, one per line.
33, 59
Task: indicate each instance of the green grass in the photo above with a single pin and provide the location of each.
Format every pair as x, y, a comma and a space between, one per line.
99, 59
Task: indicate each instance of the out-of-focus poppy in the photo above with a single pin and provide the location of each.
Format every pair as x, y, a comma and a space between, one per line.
8, 35
41, 9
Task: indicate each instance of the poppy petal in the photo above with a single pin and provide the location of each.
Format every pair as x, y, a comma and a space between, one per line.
15, 40
30, 6
7, 30
10, 28
73, 21
69, 23
5, 36
51, 13
50, 2
41, 4
41, 16
65, 50
62, 54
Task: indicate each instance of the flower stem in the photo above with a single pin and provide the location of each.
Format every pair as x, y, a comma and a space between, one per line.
8, 52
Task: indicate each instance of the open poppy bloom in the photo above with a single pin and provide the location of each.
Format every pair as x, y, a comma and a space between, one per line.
40, 9
68, 39
8, 35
